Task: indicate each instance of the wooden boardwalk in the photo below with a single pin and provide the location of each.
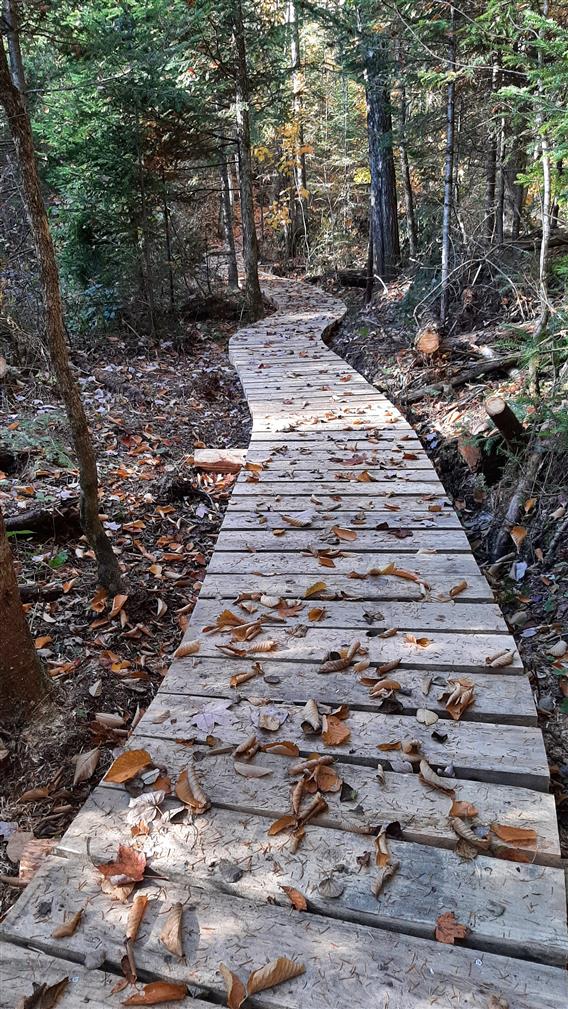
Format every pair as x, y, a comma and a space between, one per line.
343, 585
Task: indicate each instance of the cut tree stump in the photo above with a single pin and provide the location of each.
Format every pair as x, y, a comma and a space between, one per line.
506, 421
215, 460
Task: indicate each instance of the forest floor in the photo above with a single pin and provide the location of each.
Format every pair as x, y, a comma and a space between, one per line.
106, 657
530, 585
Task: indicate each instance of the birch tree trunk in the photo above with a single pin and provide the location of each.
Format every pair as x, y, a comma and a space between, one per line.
22, 680
300, 175
18, 121
251, 289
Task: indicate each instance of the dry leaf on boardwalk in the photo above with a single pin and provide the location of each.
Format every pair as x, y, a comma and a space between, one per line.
85, 765
515, 835
458, 697
465, 810
127, 766
387, 872
335, 732
127, 868
411, 639
283, 747
500, 659
44, 996
316, 613
465, 832
348, 535
189, 790
429, 777
251, 770
189, 648
172, 931
310, 718
276, 972
68, 927
157, 992
135, 916
236, 991
456, 590
315, 590
448, 928
296, 898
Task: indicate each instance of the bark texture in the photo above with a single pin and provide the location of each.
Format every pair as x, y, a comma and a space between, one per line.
228, 233
22, 680
20, 129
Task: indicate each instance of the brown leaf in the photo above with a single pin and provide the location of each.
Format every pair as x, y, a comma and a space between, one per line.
297, 899
411, 639
128, 867
326, 779
335, 732
515, 835
171, 934
429, 777
189, 648
457, 589
465, 810
67, 927
518, 534
283, 747
189, 790
236, 991
85, 765
365, 477
448, 929
135, 916
316, 613
500, 659
35, 794
157, 992
274, 973
282, 823
348, 535
326, 562
251, 770
127, 766
315, 590
117, 604
394, 745
44, 996
381, 879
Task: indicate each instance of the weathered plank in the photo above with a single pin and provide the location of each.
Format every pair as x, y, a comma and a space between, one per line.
454, 653
293, 540
510, 907
359, 520
484, 752
400, 484
506, 699
426, 615
425, 564
343, 962
382, 797
341, 586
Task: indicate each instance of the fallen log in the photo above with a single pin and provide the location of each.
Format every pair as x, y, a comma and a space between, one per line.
514, 511
506, 422
31, 591
45, 521
215, 460
483, 368
352, 278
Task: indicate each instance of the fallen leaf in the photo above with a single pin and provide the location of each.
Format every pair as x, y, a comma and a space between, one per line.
429, 777
385, 873
456, 590
514, 835
135, 916
128, 867
348, 535
189, 648
127, 766
331, 887
236, 991
157, 992
394, 745
426, 717
44, 996
315, 590
274, 973
518, 535
465, 810
283, 747
297, 899
67, 927
35, 794
189, 790
117, 604
282, 823
411, 639
85, 765
448, 929
335, 732
316, 613
251, 770
171, 934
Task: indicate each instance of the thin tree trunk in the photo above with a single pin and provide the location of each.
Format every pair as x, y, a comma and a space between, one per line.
11, 22
300, 175
22, 679
381, 159
411, 229
491, 168
20, 129
148, 279
228, 234
370, 279
500, 184
544, 316
168, 238
448, 177
251, 289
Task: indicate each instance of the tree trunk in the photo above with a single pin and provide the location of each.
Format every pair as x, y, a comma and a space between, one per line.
147, 267
411, 228
168, 239
491, 168
22, 680
448, 177
544, 316
506, 421
299, 225
370, 278
11, 22
228, 233
251, 289
500, 184
20, 129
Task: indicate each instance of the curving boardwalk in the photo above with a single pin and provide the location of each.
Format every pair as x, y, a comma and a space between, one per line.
341, 609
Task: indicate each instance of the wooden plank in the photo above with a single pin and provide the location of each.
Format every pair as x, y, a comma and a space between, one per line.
506, 699
21, 970
381, 508
221, 586
408, 616
293, 540
250, 518
511, 908
422, 812
219, 928
381, 487
484, 752
334, 483
454, 653
425, 565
